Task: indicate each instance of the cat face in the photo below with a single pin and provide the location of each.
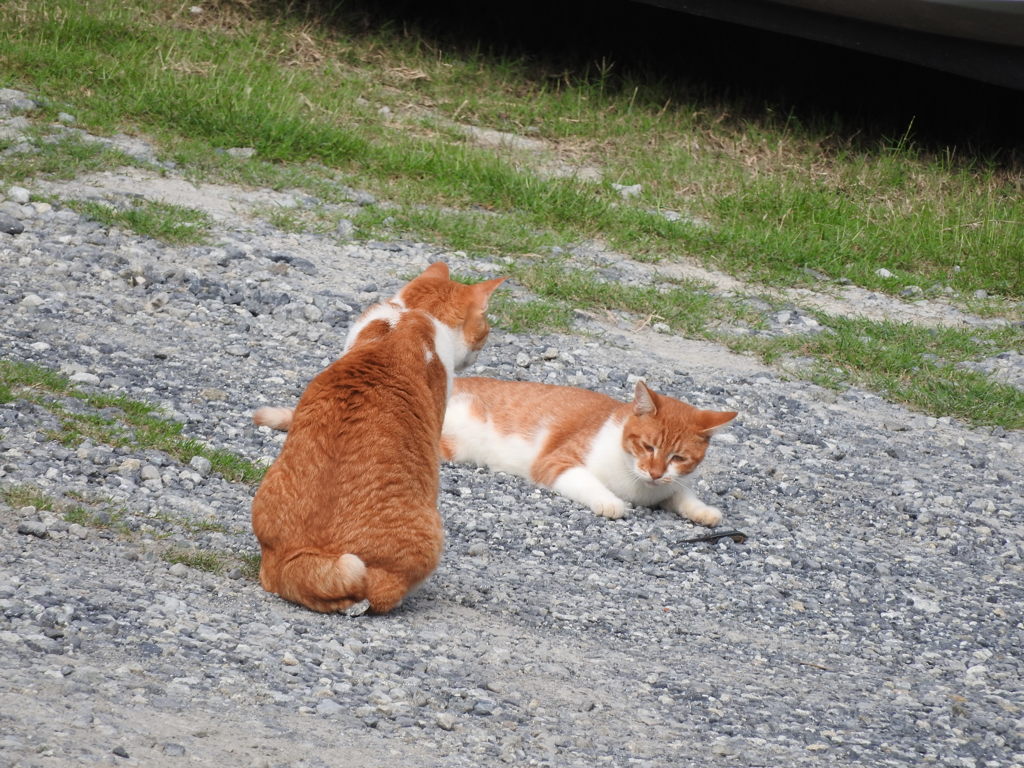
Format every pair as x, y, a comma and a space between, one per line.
461, 307
667, 438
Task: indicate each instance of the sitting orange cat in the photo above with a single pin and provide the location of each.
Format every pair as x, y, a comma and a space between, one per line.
349, 510
584, 445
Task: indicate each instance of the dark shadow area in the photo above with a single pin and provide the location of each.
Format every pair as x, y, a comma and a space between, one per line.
861, 99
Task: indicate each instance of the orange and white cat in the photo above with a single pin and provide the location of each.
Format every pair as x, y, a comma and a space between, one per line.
348, 511
584, 445
587, 446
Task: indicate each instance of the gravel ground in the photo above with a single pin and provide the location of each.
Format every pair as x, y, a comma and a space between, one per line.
872, 617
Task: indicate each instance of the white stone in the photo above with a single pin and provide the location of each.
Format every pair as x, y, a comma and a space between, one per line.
328, 707
150, 472
201, 464
84, 377
628, 190
18, 195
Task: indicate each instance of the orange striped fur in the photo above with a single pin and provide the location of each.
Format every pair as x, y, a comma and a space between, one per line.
348, 511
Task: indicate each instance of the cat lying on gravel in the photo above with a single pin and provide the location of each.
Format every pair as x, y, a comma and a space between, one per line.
584, 445
348, 512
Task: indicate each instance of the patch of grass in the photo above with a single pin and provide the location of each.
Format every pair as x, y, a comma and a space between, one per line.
780, 196
91, 514
232, 467
532, 315
62, 157
250, 565
124, 422
170, 223
771, 229
537, 315
214, 562
26, 496
686, 306
475, 231
102, 518
192, 526
17, 375
200, 560
907, 363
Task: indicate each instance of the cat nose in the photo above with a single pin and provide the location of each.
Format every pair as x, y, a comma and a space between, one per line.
656, 473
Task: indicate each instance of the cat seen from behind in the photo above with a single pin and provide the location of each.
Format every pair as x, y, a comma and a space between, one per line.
348, 511
587, 446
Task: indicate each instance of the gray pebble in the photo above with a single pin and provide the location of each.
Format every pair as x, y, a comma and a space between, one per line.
33, 528
201, 464
10, 225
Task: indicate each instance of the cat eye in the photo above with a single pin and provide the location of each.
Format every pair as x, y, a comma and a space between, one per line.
648, 448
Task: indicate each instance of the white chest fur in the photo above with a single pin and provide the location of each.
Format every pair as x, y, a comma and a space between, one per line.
616, 468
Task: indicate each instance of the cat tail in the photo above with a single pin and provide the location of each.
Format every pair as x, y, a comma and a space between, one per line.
275, 418
324, 583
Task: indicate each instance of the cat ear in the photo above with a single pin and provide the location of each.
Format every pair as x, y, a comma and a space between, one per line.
643, 400
485, 289
712, 421
437, 270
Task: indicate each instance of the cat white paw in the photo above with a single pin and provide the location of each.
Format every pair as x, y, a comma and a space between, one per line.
580, 485
612, 508
702, 514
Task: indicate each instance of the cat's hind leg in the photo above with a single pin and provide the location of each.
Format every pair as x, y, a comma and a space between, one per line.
582, 485
685, 502
386, 589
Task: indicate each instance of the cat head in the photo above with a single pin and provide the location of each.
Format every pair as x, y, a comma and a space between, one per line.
460, 307
667, 438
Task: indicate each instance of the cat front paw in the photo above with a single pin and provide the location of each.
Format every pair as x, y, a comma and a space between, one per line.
702, 514
613, 508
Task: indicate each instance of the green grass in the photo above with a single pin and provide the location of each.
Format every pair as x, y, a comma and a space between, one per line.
26, 496
250, 565
173, 224
124, 422
687, 306
64, 157
770, 231
533, 316
200, 560
214, 562
102, 518
81, 511
779, 196
98, 513
762, 196
908, 364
